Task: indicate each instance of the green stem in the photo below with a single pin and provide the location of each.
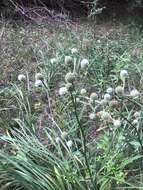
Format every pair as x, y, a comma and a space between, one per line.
83, 139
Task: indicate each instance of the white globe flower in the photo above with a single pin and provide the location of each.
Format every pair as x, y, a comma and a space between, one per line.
57, 140
70, 77
117, 123
135, 121
105, 116
83, 92
69, 143
137, 114
119, 90
84, 63
134, 93
124, 74
38, 83
74, 51
93, 96
110, 90
92, 116
68, 60
64, 135
107, 97
103, 102
39, 76
21, 77
63, 91
54, 60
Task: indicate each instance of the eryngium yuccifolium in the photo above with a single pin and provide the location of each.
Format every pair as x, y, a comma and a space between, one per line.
57, 140
39, 76
63, 91
135, 122
69, 86
107, 97
113, 103
117, 123
93, 96
64, 135
103, 102
106, 116
69, 144
54, 60
74, 51
38, 83
134, 93
84, 63
137, 114
68, 60
123, 75
70, 77
83, 92
21, 77
92, 116
119, 90
110, 90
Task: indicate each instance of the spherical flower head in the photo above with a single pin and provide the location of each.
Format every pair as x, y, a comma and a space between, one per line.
110, 90
39, 76
74, 51
113, 103
106, 116
124, 74
69, 86
57, 140
84, 63
119, 90
64, 135
117, 123
107, 97
63, 91
103, 102
77, 99
70, 77
21, 77
93, 96
135, 122
54, 60
137, 114
92, 116
83, 92
134, 93
38, 83
68, 60
69, 144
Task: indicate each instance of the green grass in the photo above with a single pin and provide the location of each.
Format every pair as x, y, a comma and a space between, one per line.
102, 156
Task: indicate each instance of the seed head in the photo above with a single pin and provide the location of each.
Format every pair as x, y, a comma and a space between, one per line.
70, 77
84, 63
134, 93
69, 143
39, 76
119, 90
123, 75
57, 140
107, 97
92, 116
83, 92
68, 60
21, 77
117, 123
110, 90
74, 51
63, 91
38, 83
54, 60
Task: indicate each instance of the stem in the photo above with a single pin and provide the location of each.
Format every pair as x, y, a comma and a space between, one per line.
138, 134
83, 139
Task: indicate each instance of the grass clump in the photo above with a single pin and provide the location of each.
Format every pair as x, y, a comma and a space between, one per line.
75, 114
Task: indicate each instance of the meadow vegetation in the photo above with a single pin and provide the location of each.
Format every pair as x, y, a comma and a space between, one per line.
71, 105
